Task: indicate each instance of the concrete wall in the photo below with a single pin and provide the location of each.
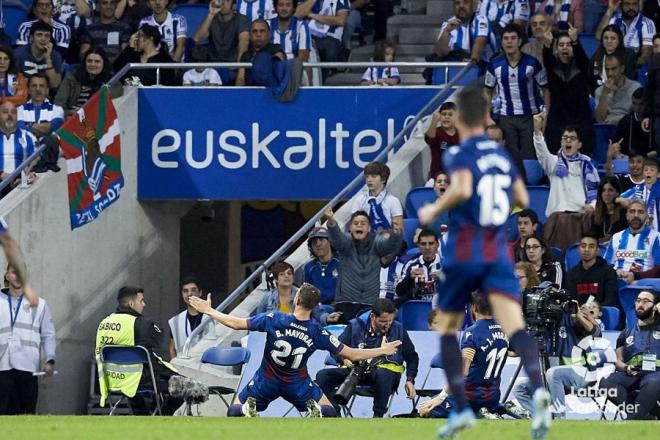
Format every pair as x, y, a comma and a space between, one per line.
79, 272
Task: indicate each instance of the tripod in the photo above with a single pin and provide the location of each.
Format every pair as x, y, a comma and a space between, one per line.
540, 335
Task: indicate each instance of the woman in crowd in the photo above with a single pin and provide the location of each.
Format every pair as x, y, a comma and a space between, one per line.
145, 46
609, 217
527, 276
611, 42
81, 84
13, 87
540, 255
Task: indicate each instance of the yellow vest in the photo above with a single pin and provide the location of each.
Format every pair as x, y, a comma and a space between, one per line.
117, 329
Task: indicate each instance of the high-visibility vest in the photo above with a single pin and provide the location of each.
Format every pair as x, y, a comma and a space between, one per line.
117, 329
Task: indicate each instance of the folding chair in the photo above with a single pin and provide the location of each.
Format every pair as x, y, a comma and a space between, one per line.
226, 357
534, 171
429, 392
418, 197
122, 359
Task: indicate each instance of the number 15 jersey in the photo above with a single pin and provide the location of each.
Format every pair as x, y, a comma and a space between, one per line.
477, 226
289, 344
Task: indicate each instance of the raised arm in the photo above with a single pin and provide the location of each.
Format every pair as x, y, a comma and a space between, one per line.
361, 354
204, 306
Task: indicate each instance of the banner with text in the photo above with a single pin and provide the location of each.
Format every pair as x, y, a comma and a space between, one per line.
232, 143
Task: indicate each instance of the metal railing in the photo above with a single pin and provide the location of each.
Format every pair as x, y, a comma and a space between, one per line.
428, 108
324, 65
17, 172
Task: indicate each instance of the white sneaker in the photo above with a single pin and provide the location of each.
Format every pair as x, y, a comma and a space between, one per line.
485, 414
313, 409
515, 411
457, 422
250, 407
542, 417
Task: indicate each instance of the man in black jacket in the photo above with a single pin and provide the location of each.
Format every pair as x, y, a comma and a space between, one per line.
384, 372
593, 276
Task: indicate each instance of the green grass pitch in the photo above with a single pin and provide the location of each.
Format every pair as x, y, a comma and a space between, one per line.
212, 428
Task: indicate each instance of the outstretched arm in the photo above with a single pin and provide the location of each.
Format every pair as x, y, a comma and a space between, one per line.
204, 307
361, 354
16, 260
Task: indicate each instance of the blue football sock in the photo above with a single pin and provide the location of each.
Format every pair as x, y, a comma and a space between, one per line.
452, 362
235, 410
523, 344
328, 411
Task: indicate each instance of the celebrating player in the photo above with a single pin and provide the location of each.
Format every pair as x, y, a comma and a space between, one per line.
291, 340
483, 185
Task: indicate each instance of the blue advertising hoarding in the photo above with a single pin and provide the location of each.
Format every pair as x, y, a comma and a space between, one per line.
241, 144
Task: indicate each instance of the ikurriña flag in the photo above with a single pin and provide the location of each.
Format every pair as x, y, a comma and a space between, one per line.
91, 144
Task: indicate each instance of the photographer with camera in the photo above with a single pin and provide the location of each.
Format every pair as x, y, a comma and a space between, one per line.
637, 361
382, 373
420, 273
554, 316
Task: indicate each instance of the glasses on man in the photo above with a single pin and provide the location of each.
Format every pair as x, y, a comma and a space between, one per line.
569, 138
532, 247
643, 301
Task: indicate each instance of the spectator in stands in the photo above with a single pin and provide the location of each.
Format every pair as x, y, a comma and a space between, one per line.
145, 47
106, 31
128, 326
636, 248
383, 373
384, 51
391, 269
441, 134
291, 33
254, 9
281, 297
567, 81
527, 276
527, 222
184, 323
651, 10
517, 108
228, 34
645, 190
502, 13
540, 25
262, 54
39, 57
385, 210
79, 85
483, 381
609, 217
611, 43
637, 29
323, 270
569, 333
42, 118
466, 36
353, 23
421, 273
28, 340
637, 354
326, 24
562, 13
132, 11
359, 255
635, 166
173, 28
592, 276
494, 132
629, 129
614, 97
573, 178
17, 145
201, 76
43, 10
74, 12
631, 277
540, 255
12, 81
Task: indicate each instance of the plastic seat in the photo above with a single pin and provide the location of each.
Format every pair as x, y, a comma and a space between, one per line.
589, 43
653, 283
611, 317
620, 166
538, 200
413, 314
604, 132
442, 75
226, 357
418, 197
534, 171
14, 15
627, 297
120, 357
409, 227
557, 253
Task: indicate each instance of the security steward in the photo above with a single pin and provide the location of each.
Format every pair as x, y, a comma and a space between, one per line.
383, 373
127, 326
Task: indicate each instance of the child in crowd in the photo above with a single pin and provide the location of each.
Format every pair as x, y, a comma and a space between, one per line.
200, 76
441, 135
648, 191
384, 51
385, 210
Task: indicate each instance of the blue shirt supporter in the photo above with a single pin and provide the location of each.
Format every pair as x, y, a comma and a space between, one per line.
324, 277
16, 147
254, 9
30, 113
295, 38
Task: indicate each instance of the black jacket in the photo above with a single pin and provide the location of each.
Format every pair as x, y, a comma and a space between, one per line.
599, 280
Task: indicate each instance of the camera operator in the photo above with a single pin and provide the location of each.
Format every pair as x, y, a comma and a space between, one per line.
383, 373
637, 360
564, 335
419, 274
